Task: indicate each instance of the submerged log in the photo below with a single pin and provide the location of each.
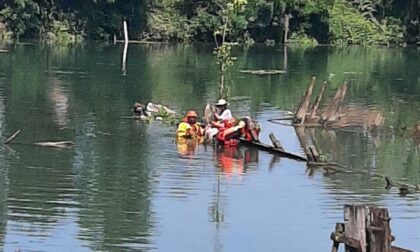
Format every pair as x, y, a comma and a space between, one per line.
60, 144
273, 149
303, 107
9, 139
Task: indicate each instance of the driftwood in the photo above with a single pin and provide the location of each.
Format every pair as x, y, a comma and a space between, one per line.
364, 229
263, 72
404, 188
303, 107
60, 144
3, 51
9, 139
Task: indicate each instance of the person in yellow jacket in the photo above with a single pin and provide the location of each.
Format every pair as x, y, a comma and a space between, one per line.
189, 127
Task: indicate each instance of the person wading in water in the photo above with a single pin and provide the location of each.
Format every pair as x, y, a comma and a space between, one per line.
189, 127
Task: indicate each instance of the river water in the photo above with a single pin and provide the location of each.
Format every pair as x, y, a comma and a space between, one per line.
126, 185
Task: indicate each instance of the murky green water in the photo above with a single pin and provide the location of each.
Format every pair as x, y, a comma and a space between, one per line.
127, 186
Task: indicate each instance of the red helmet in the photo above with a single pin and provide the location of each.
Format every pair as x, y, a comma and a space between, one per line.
191, 114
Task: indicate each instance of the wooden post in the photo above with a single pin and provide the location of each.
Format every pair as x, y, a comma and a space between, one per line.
276, 142
317, 101
337, 236
124, 56
365, 229
355, 228
303, 107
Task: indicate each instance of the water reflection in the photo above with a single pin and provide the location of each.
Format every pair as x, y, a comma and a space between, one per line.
187, 146
235, 160
60, 100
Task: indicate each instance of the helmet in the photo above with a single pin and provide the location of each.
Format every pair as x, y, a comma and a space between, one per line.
191, 114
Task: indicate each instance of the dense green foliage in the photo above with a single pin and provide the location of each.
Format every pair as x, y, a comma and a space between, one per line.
312, 21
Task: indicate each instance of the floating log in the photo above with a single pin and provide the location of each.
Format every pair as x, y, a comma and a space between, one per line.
263, 72
3, 51
60, 144
303, 107
364, 229
273, 149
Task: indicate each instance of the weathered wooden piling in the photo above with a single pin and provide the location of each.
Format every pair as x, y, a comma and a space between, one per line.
318, 99
304, 105
365, 229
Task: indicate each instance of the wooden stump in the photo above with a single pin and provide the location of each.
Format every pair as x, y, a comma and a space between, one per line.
366, 229
379, 232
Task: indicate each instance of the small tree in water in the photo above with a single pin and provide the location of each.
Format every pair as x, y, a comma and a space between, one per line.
223, 51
